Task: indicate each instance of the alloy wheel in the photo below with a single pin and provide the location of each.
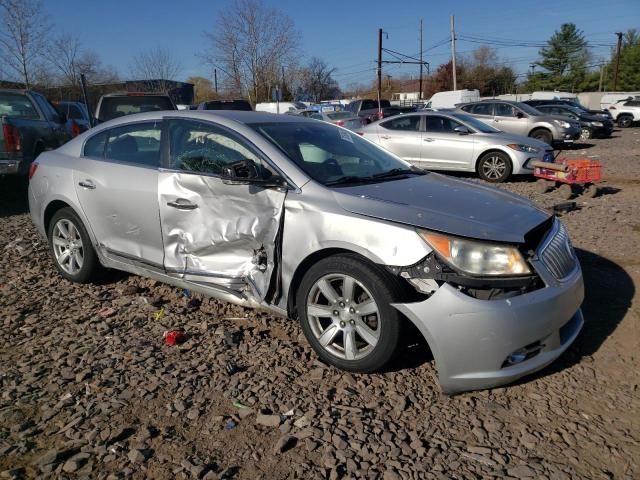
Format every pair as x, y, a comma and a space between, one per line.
343, 316
494, 167
67, 246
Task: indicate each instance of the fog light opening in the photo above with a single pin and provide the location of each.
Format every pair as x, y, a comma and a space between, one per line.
523, 354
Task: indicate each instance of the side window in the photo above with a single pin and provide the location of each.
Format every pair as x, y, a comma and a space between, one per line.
317, 116
441, 124
482, 109
94, 147
410, 123
205, 148
138, 143
505, 110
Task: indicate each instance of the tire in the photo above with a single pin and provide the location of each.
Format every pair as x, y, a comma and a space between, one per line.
625, 121
494, 167
542, 135
374, 333
585, 133
81, 265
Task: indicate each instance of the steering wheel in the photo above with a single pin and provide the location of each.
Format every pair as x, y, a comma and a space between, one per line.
331, 161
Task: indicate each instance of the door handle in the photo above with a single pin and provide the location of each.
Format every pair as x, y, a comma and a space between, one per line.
182, 204
87, 184
429, 139
385, 137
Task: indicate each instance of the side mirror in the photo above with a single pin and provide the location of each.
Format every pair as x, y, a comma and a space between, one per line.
461, 130
520, 115
247, 171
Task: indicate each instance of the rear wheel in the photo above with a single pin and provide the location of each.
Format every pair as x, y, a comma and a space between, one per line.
71, 249
495, 167
585, 133
542, 135
625, 121
344, 306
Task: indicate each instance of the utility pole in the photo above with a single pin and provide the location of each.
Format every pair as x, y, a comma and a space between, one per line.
215, 79
379, 69
601, 75
453, 52
615, 73
420, 91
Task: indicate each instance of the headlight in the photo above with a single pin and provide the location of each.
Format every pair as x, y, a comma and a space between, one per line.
476, 257
523, 148
562, 123
596, 124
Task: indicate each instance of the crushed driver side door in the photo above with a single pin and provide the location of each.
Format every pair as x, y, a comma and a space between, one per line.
216, 233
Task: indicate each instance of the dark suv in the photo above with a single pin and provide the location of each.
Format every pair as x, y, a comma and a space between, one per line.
590, 125
569, 103
368, 109
116, 105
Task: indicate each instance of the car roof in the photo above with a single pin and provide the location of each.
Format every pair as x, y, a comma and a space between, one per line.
135, 94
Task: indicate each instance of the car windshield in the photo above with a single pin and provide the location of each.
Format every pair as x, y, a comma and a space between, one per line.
529, 109
17, 105
113, 107
333, 156
475, 123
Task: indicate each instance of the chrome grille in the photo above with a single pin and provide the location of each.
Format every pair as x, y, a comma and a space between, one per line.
557, 253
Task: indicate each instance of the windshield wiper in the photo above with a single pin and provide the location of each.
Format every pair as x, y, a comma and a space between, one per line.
399, 171
349, 179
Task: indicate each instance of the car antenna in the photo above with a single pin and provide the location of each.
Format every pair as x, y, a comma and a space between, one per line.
83, 82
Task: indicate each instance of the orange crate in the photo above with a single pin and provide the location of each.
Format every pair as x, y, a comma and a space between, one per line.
583, 171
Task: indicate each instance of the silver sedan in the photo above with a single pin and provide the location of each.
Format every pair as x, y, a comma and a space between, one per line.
315, 223
457, 142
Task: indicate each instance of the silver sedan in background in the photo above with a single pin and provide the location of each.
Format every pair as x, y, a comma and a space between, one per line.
457, 142
315, 223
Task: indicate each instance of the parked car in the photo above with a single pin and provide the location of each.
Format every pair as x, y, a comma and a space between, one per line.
367, 243
342, 119
30, 125
368, 109
523, 119
77, 115
626, 112
457, 142
570, 103
590, 125
116, 105
450, 99
280, 107
226, 105
611, 98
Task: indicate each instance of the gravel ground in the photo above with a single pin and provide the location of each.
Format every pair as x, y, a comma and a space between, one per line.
90, 396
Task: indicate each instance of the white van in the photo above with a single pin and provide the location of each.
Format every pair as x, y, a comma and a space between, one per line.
450, 99
609, 99
554, 95
283, 107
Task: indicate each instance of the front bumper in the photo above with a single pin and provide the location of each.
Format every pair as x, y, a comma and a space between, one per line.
568, 135
471, 339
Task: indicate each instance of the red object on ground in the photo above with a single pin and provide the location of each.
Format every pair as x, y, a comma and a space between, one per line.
173, 337
578, 171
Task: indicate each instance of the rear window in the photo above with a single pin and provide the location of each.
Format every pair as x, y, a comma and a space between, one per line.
17, 105
71, 111
228, 105
114, 107
339, 115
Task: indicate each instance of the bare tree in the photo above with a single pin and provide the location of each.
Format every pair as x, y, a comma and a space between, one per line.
158, 63
69, 61
23, 37
203, 89
319, 84
250, 46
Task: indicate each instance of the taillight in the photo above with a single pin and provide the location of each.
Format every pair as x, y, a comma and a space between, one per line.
380, 115
11, 138
75, 129
360, 133
135, 94
340, 123
32, 169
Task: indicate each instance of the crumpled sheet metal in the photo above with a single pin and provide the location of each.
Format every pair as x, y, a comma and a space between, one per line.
222, 240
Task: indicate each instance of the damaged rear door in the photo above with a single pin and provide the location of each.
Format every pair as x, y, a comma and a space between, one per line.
216, 233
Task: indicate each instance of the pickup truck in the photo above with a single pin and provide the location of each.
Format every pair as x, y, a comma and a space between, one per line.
30, 125
368, 109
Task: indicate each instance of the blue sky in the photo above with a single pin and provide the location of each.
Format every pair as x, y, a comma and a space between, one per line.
343, 33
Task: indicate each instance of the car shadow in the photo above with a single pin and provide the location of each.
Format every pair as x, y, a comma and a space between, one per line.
602, 310
13, 196
574, 146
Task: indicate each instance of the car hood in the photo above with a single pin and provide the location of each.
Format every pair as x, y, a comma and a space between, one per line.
506, 138
444, 204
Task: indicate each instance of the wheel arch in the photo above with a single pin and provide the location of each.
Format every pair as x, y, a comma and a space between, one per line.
492, 149
541, 127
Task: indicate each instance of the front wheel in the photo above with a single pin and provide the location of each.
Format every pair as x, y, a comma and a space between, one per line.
70, 246
625, 121
542, 135
344, 306
585, 133
495, 167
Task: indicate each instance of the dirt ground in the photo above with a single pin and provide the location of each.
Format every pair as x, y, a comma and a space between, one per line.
82, 396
